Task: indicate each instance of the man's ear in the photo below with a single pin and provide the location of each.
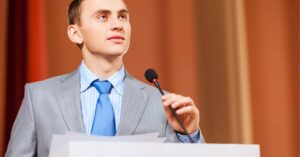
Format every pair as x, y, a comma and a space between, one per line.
74, 34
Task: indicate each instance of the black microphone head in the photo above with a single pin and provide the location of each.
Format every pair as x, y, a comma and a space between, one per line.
150, 75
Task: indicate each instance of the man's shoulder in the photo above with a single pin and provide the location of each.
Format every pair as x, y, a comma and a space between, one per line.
50, 82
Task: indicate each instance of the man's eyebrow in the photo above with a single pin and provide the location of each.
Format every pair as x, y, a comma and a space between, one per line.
102, 11
123, 11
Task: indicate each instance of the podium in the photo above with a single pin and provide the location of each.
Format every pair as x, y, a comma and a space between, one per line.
140, 149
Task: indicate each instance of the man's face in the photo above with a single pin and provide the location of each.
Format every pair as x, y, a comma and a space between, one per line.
105, 27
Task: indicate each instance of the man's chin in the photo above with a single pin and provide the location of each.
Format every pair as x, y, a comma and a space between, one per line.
114, 54
117, 51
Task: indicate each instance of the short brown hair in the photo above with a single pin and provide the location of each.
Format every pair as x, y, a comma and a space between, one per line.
74, 12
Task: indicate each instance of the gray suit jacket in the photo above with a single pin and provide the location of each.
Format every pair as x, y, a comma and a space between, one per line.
53, 106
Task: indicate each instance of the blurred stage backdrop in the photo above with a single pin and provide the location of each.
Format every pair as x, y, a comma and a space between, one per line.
239, 60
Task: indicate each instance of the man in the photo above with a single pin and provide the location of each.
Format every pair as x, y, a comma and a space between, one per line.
72, 102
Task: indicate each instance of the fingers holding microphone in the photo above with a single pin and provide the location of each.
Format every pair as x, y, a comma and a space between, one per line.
181, 112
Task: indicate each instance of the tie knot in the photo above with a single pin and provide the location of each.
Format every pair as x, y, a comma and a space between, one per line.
103, 87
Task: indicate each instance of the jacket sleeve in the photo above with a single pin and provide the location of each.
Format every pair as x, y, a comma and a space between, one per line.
23, 140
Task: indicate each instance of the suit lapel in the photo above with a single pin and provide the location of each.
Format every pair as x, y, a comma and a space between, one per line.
68, 97
133, 106
134, 103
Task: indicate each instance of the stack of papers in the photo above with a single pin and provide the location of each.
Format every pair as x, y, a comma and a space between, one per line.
61, 141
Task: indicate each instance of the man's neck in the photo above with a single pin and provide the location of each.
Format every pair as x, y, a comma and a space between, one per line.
103, 67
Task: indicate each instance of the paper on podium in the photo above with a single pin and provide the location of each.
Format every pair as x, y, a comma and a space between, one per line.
61, 141
145, 145
148, 137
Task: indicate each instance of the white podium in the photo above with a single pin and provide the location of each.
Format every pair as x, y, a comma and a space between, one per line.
140, 149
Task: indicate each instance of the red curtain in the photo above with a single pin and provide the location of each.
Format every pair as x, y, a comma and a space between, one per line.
26, 53
36, 56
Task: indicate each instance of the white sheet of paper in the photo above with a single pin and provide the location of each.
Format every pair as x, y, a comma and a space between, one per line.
148, 137
61, 141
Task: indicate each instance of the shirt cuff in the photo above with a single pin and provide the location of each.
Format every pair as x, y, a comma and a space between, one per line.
185, 139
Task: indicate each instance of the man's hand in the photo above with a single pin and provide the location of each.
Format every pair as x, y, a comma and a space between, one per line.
186, 110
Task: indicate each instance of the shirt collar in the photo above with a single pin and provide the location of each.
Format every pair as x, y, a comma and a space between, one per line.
87, 77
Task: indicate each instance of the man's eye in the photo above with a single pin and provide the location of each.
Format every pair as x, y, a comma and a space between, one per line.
102, 17
123, 17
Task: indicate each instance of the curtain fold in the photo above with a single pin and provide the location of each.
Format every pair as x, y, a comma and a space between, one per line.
26, 53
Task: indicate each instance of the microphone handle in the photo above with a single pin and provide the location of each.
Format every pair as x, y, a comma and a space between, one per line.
175, 114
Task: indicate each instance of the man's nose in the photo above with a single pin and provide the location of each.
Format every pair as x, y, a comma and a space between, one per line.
116, 24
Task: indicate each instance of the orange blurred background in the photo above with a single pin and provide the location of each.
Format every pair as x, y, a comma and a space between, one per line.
239, 60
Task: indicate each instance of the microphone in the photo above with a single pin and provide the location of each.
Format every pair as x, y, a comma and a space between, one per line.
152, 77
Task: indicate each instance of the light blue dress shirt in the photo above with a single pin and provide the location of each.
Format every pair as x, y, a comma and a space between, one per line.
89, 97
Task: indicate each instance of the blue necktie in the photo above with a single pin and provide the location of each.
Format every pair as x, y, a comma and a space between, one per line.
104, 119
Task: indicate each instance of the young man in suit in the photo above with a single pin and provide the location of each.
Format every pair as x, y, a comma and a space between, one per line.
100, 97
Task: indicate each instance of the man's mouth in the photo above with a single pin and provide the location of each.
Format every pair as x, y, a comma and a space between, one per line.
116, 37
